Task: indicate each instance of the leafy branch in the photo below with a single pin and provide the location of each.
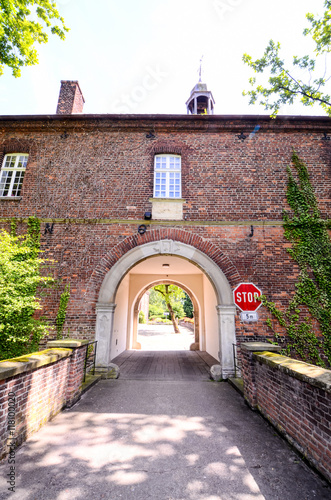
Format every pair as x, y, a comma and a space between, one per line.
19, 31
283, 86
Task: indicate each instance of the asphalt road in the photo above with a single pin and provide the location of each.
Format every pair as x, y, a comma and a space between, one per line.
160, 440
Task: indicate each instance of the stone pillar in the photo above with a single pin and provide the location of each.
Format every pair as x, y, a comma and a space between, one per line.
227, 337
104, 333
195, 109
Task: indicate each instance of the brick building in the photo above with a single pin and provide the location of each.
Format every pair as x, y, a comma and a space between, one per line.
129, 201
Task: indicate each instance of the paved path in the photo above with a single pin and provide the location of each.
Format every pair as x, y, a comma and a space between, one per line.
160, 440
165, 365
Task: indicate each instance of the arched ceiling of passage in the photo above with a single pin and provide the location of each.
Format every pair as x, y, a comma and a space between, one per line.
165, 265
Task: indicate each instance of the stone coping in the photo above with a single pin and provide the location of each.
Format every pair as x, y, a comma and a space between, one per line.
314, 375
67, 343
167, 200
28, 362
260, 346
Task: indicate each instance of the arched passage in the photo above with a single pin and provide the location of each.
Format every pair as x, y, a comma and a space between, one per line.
110, 291
133, 340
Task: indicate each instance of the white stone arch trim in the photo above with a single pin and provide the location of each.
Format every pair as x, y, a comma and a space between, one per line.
225, 305
115, 275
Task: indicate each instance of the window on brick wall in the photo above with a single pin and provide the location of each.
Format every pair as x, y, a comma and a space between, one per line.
12, 174
167, 176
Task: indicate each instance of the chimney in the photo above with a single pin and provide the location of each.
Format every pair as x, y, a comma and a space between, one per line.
71, 99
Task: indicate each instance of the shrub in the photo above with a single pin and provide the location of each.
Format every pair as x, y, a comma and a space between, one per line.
20, 278
141, 317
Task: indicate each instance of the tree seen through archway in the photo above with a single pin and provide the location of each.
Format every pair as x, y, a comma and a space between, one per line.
169, 300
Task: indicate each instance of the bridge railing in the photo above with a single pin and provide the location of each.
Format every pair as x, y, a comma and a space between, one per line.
90, 357
237, 360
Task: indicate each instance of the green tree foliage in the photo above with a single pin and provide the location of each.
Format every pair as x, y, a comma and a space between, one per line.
20, 277
287, 83
22, 24
155, 311
188, 306
173, 297
311, 249
156, 299
157, 305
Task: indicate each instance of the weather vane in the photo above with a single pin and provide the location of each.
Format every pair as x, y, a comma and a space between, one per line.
200, 69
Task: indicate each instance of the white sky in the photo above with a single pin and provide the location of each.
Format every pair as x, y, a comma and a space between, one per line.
142, 56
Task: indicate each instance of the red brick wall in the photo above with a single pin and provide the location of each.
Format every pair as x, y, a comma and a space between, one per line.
296, 398
30, 399
99, 169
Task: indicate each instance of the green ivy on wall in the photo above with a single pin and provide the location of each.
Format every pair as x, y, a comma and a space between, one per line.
311, 250
62, 312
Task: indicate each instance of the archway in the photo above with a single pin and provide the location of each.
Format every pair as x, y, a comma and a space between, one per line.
196, 344
115, 283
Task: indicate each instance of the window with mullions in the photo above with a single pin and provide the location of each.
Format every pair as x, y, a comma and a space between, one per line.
167, 176
12, 174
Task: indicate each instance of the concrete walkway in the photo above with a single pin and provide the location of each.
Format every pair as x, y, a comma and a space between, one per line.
160, 440
163, 338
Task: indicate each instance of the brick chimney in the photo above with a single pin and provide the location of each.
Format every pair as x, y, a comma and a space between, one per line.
71, 99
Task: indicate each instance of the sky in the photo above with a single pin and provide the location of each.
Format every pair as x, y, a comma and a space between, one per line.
143, 56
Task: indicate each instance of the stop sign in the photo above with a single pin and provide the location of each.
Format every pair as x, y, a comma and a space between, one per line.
245, 297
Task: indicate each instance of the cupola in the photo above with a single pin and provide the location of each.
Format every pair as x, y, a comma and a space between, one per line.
201, 101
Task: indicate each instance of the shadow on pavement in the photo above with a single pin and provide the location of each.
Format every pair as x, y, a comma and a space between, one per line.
162, 441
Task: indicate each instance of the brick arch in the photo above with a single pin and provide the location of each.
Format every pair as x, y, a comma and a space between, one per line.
154, 235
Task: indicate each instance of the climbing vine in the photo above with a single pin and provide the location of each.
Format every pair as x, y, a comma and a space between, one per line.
62, 312
311, 250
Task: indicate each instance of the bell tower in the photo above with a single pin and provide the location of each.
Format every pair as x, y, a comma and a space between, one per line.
201, 101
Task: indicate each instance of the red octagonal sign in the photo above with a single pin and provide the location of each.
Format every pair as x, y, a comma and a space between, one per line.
245, 297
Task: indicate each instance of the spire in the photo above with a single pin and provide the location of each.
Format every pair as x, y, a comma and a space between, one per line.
200, 69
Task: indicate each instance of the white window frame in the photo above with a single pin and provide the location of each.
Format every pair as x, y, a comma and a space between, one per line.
167, 176
12, 174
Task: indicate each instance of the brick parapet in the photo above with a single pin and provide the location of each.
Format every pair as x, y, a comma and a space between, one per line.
34, 388
295, 397
76, 367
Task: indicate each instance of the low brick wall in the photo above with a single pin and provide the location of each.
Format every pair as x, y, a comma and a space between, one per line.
294, 396
35, 387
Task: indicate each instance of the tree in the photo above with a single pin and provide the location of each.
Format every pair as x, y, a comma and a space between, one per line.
20, 277
20, 29
171, 294
188, 306
285, 83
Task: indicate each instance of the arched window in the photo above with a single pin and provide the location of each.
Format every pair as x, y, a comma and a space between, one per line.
167, 176
12, 174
